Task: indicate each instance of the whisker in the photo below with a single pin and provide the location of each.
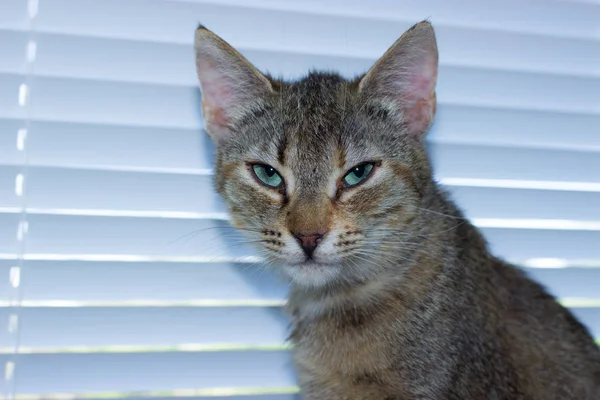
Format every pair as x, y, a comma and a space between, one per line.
198, 231
440, 213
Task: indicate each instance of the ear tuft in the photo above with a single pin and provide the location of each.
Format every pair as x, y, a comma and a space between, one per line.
405, 76
231, 86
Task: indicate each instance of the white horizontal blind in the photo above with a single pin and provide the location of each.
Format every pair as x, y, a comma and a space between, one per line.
111, 285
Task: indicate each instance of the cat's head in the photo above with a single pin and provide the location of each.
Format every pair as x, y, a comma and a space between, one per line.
325, 175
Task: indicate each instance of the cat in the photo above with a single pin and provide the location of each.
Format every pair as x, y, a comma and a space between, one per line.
393, 293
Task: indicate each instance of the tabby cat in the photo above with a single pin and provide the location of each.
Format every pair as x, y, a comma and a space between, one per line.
394, 294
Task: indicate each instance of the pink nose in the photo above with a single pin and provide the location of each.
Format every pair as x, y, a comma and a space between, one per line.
308, 242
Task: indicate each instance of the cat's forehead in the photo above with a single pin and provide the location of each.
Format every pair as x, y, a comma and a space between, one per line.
315, 123
313, 131
314, 114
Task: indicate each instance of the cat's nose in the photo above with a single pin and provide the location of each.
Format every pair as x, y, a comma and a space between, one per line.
309, 241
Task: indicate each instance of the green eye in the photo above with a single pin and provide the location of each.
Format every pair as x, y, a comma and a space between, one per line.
358, 174
267, 175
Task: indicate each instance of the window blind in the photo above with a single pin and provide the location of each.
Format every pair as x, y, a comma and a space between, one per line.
116, 279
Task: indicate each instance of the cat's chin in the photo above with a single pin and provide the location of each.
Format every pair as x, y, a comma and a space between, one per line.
311, 273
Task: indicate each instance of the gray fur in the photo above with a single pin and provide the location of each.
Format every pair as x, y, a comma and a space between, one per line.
403, 299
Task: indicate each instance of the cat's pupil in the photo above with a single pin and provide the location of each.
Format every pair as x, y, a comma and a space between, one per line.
270, 171
359, 171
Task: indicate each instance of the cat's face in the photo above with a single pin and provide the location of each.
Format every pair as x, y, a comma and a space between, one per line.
324, 175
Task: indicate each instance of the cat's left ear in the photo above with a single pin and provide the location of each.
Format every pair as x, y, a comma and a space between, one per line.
231, 86
403, 79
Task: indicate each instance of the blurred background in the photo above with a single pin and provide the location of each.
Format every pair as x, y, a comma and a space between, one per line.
113, 283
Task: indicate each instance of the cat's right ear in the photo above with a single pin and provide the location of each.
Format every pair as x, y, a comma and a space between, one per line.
231, 86
403, 80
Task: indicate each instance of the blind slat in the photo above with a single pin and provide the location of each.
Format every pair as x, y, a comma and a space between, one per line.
8, 196
71, 100
49, 329
507, 15
481, 202
163, 237
61, 188
5, 385
13, 45
172, 63
102, 145
472, 161
47, 281
519, 128
13, 14
522, 244
66, 190
160, 237
88, 145
84, 373
8, 338
9, 153
570, 282
204, 284
172, 21
153, 237
9, 96
6, 289
158, 330
9, 224
590, 317
451, 161
111, 102
86, 101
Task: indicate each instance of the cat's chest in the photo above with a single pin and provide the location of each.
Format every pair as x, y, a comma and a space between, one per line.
354, 344
346, 348
345, 356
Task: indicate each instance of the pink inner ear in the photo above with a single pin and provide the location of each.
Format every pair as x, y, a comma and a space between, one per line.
230, 84
418, 117
420, 87
418, 100
215, 103
421, 81
216, 94
214, 116
217, 99
215, 87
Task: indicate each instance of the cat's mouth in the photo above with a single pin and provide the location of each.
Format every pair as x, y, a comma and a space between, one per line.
311, 273
310, 263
